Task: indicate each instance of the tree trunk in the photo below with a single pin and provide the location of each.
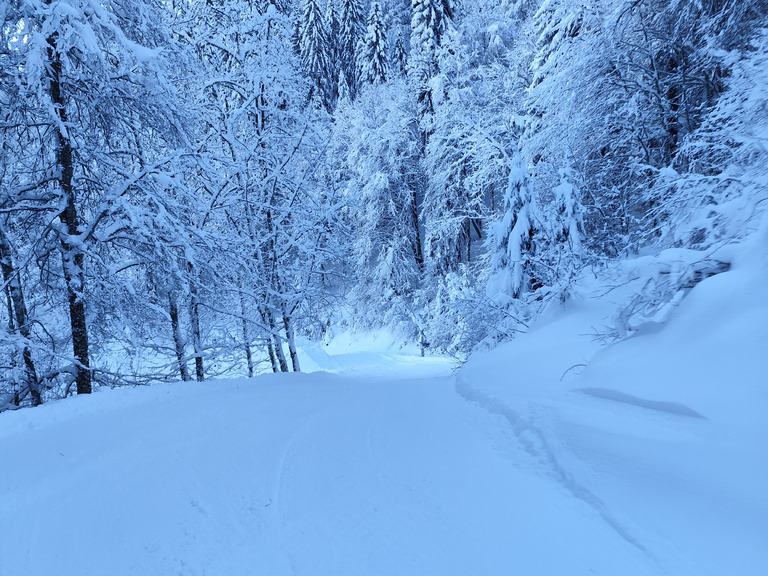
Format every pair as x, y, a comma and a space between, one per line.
178, 341
11, 330
197, 340
277, 340
417, 252
270, 347
72, 256
468, 232
272, 358
17, 307
246, 339
194, 319
291, 339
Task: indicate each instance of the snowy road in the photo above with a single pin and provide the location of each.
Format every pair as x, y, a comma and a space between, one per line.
312, 474
547, 456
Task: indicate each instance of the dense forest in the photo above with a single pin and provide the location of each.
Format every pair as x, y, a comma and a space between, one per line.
188, 188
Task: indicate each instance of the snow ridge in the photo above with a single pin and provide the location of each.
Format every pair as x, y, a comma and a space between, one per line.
616, 396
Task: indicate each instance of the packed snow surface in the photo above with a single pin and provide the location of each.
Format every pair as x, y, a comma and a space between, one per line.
550, 455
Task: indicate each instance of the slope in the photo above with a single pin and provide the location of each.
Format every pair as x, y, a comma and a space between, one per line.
664, 433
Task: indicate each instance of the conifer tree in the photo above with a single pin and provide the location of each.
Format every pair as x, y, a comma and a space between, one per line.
399, 56
332, 72
314, 49
512, 240
429, 22
344, 96
372, 60
351, 31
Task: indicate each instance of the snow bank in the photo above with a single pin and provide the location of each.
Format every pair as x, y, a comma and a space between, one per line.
663, 433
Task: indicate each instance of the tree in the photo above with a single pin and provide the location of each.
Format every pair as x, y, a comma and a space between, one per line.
266, 208
372, 59
713, 195
351, 31
430, 19
512, 241
334, 65
375, 144
399, 56
469, 151
315, 50
19, 321
98, 121
429, 22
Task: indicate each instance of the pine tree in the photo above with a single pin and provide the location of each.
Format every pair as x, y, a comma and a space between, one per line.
333, 71
372, 59
373, 144
429, 22
351, 31
512, 241
343, 91
314, 49
399, 56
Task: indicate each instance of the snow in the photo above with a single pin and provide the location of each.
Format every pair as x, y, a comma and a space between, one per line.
665, 432
549, 455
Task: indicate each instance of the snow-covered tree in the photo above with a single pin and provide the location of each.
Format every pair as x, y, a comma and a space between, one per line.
24, 380
334, 65
351, 31
375, 140
97, 123
265, 203
512, 241
399, 56
315, 49
430, 19
344, 94
372, 62
713, 196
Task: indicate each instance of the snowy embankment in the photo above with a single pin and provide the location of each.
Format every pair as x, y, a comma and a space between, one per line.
664, 434
550, 455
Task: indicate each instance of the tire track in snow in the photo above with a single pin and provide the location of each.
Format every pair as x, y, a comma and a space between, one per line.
535, 443
282, 475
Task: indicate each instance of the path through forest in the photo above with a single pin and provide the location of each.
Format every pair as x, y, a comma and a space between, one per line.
317, 474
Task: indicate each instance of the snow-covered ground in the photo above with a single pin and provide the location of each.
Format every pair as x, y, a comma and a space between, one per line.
550, 455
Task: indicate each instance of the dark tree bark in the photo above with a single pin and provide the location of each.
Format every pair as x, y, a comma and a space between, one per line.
197, 340
291, 339
417, 252
194, 319
72, 255
246, 339
178, 341
17, 310
270, 347
278, 340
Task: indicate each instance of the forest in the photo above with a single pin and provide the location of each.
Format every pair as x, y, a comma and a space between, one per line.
192, 188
